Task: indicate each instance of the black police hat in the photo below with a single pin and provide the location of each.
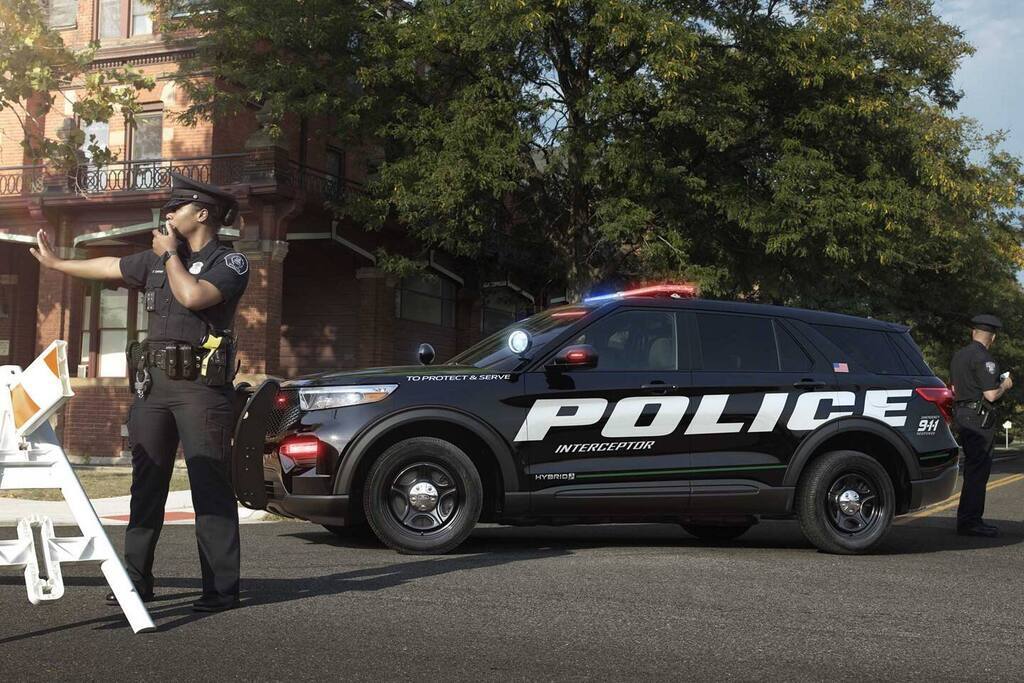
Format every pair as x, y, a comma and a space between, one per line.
988, 323
185, 190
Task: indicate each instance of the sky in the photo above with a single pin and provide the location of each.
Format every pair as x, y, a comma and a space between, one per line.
991, 80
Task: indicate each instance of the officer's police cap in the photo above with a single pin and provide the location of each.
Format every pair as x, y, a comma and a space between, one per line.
185, 190
988, 323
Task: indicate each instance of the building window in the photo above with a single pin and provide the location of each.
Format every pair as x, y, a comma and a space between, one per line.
426, 299
145, 147
121, 18
501, 308
142, 19
335, 171
112, 316
61, 13
109, 24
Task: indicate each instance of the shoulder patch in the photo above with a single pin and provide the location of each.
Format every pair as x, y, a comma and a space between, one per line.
991, 367
237, 262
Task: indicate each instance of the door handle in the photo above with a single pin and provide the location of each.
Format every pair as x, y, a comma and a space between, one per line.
657, 387
809, 384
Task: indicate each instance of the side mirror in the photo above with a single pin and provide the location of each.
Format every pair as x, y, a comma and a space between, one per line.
576, 357
426, 354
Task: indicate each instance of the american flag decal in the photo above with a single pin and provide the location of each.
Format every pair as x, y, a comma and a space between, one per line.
840, 367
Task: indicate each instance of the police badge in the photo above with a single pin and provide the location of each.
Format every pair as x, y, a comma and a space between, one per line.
237, 263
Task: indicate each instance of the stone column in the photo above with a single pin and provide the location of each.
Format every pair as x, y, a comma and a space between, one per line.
376, 318
258, 320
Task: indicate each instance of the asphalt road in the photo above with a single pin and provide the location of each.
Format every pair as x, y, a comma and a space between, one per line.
556, 603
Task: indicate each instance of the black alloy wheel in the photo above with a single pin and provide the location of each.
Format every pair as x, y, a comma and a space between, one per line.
845, 502
423, 496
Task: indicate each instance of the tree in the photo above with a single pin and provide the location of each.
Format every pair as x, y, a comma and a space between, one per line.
36, 68
801, 151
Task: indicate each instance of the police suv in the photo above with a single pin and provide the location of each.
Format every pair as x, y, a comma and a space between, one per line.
644, 405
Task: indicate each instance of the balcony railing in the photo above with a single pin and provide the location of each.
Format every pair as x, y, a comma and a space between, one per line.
154, 175
15, 180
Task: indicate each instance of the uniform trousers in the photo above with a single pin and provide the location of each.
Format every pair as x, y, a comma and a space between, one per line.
977, 444
201, 418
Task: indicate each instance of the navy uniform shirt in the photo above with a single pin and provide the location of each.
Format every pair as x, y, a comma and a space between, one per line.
216, 263
973, 371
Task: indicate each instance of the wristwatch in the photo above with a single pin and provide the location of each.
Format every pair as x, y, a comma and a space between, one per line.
167, 256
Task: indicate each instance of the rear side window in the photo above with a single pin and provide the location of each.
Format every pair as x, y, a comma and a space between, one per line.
792, 356
911, 353
871, 350
737, 343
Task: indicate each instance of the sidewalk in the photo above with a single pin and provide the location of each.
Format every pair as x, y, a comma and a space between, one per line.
114, 511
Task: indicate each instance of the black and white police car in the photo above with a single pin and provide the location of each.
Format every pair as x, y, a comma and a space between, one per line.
644, 405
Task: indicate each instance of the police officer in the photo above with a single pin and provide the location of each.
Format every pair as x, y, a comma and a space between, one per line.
182, 380
976, 382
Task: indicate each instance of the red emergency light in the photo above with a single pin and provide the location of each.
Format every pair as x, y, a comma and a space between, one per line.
675, 291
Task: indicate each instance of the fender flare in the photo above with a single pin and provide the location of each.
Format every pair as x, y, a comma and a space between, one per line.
813, 441
364, 441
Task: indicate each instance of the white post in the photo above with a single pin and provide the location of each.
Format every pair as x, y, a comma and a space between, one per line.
1006, 426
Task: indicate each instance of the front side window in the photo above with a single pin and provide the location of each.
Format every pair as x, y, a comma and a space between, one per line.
737, 343
634, 340
426, 299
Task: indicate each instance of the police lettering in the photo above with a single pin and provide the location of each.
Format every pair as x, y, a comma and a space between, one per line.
810, 410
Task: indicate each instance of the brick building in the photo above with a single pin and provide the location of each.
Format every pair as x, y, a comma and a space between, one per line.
316, 299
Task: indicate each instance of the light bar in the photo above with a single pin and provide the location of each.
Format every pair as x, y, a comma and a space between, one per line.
673, 291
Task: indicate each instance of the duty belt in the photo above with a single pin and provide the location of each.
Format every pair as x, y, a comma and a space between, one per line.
969, 405
176, 359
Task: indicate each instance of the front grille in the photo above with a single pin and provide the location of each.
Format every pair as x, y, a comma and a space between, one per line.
285, 412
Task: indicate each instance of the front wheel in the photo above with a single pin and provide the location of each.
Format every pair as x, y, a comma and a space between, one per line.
423, 496
845, 502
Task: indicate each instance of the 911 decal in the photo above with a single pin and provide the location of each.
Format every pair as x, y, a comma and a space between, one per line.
810, 411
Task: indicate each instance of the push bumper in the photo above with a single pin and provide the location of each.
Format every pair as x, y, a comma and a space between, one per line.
924, 492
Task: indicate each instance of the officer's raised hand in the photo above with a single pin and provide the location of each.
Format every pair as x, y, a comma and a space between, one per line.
164, 243
102, 268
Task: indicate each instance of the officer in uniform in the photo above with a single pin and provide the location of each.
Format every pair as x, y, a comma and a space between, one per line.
181, 376
977, 385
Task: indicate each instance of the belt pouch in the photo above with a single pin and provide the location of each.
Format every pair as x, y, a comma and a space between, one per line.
173, 368
188, 361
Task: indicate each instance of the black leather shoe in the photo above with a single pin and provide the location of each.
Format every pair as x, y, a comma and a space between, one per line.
990, 526
980, 530
215, 603
112, 599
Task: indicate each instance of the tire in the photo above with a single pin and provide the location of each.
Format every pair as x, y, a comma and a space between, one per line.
836, 520
423, 496
715, 533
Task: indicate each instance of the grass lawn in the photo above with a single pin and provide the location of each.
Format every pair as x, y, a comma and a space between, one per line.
99, 482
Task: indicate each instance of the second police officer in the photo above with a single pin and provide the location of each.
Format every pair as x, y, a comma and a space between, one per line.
182, 380
978, 385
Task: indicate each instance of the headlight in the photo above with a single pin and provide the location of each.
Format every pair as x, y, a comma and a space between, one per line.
322, 398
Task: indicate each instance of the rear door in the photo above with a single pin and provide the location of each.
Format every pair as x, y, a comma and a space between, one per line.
750, 372
606, 440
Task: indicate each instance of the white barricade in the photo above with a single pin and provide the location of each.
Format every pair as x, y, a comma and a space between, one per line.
31, 458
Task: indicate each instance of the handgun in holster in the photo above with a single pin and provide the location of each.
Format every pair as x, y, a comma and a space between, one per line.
215, 348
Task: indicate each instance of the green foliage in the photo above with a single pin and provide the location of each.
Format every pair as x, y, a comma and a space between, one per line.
804, 152
36, 69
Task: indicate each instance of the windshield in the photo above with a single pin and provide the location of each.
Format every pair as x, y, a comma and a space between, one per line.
493, 352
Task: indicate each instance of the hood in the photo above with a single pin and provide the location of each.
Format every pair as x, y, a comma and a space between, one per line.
398, 374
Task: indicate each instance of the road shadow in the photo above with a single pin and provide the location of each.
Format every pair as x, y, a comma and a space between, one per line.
268, 591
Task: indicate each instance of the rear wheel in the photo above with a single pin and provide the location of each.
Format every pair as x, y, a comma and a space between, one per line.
716, 533
845, 502
423, 496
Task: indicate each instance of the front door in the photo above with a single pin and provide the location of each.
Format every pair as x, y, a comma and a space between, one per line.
605, 440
